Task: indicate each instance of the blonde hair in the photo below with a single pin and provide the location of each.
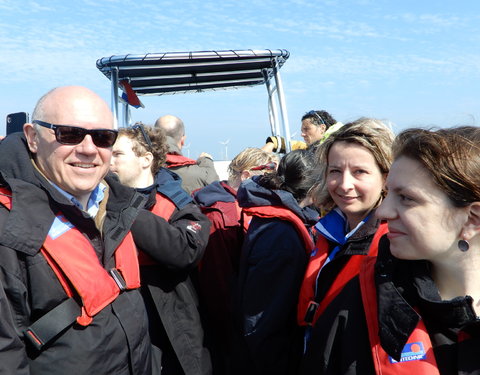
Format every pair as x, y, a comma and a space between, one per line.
249, 158
370, 133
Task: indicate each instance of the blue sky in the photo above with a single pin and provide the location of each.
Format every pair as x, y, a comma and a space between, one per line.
412, 63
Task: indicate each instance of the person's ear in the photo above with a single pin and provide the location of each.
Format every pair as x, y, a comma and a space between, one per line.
471, 228
182, 141
32, 137
245, 175
147, 160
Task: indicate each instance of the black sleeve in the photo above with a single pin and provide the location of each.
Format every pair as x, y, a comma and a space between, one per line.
178, 243
271, 281
13, 311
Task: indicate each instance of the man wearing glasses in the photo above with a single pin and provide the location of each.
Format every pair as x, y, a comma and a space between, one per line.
69, 275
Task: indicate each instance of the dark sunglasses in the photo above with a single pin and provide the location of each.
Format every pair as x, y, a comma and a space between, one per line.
144, 134
314, 113
73, 135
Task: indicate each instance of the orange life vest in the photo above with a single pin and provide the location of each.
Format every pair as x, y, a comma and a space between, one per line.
174, 160
80, 267
283, 214
308, 309
164, 208
417, 356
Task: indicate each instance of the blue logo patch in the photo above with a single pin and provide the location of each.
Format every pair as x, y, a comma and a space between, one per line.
60, 226
411, 352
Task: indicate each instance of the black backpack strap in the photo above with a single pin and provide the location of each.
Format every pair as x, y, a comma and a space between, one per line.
52, 323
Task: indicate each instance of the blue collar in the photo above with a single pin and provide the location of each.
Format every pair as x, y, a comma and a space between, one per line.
93, 204
333, 227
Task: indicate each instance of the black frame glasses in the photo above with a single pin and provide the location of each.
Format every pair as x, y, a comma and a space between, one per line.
144, 135
74, 135
314, 113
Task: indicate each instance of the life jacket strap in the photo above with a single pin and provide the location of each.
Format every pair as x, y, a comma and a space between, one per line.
52, 323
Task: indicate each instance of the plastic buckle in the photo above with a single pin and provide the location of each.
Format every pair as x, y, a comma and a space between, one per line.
310, 313
34, 339
118, 278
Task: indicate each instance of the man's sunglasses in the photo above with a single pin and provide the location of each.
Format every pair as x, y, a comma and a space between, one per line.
314, 113
145, 136
73, 135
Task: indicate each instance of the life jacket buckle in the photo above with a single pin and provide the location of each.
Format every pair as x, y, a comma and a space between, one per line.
118, 278
310, 313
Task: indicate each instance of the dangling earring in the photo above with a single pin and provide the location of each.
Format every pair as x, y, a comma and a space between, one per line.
463, 245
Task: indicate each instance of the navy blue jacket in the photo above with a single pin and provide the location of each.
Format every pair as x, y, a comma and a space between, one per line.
272, 266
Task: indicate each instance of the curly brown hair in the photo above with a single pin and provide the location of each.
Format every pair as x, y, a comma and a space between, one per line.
157, 146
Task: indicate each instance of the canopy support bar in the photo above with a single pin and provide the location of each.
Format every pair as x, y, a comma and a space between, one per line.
114, 81
283, 107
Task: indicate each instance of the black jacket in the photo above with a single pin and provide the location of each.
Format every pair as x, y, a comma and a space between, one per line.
340, 344
172, 304
272, 265
117, 340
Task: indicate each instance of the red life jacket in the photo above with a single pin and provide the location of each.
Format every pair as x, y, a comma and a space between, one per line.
306, 303
174, 160
79, 266
164, 208
232, 213
417, 355
283, 214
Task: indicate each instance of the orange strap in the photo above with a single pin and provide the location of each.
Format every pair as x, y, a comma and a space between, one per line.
348, 272
164, 208
417, 356
79, 266
283, 214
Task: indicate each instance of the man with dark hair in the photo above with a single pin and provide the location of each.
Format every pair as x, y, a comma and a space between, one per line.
69, 275
195, 174
316, 127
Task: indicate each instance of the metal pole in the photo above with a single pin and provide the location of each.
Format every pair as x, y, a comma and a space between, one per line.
272, 106
114, 80
283, 107
126, 114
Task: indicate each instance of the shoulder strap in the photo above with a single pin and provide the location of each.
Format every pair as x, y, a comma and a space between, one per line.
417, 356
310, 308
164, 208
283, 214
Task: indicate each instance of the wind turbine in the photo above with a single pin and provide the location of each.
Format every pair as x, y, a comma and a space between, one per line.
225, 143
187, 147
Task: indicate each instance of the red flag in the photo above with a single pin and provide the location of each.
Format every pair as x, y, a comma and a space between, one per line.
129, 95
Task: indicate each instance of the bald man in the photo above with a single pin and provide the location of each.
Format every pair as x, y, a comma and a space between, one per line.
195, 174
69, 275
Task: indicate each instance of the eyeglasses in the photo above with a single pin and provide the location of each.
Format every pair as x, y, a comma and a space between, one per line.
144, 134
269, 166
314, 113
73, 135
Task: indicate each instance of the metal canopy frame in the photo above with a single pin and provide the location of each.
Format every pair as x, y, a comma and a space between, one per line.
170, 73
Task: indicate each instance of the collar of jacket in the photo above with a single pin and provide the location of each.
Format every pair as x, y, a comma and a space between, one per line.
402, 284
33, 193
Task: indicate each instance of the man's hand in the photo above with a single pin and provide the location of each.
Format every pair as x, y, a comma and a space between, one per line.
205, 155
